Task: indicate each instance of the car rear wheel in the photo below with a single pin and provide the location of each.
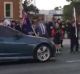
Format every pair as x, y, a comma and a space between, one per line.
43, 53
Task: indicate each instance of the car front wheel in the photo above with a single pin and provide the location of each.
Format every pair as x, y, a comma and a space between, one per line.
43, 53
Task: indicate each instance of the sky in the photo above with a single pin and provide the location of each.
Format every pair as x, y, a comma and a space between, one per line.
49, 4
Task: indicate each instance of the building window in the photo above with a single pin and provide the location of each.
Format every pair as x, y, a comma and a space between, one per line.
8, 10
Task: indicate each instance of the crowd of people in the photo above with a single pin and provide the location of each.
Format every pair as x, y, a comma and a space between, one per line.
53, 30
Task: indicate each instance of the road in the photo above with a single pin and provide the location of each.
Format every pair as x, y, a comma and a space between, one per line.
66, 63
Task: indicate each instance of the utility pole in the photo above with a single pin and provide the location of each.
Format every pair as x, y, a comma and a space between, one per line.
74, 14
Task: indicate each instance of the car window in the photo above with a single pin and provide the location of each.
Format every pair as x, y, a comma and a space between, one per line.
6, 31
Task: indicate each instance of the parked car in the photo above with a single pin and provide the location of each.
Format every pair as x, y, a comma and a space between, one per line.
16, 45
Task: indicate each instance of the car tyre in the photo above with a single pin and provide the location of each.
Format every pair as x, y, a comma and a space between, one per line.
42, 53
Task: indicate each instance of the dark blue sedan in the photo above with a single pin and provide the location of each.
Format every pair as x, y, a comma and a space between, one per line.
16, 45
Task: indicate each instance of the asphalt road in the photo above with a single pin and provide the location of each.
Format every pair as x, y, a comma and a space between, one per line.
66, 63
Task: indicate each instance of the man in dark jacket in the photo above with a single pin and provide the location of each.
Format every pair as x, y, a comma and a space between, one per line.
74, 37
49, 27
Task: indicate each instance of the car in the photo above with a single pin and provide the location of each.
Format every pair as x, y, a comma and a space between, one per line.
16, 45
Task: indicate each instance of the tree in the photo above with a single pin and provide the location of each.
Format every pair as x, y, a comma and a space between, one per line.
73, 0
29, 7
68, 10
76, 4
33, 8
56, 8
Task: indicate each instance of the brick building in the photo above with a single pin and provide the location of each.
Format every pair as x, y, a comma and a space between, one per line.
11, 9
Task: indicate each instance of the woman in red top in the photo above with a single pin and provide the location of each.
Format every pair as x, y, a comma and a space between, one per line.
56, 33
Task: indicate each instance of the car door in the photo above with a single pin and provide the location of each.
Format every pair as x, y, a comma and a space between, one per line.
8, 46
17, 46
2, 47
22, 45
2, 50
13, 43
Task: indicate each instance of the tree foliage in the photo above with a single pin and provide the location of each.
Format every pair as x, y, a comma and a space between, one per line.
68, 9
56, 8
73, 0
67, 12
29, 7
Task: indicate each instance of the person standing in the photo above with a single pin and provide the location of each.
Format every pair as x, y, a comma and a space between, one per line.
74, 37
7, 22
13, 24
17, 27
41, 28
26, 24
49, 27
34, 27
56, 34
67, 28
62, 30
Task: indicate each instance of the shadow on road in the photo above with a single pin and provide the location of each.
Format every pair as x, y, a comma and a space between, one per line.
14, 62
28, 61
